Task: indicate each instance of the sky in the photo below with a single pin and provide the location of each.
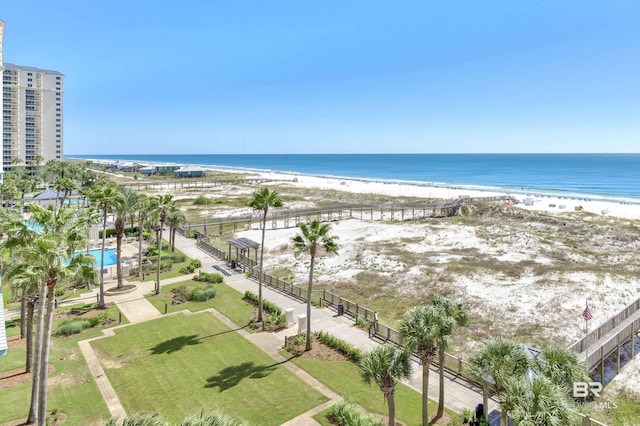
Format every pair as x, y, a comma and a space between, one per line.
261, 77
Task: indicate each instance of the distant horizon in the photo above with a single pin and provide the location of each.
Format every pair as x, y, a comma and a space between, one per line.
369, 153
337, 77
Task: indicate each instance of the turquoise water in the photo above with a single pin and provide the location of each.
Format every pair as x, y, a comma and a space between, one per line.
612, 176
109, 256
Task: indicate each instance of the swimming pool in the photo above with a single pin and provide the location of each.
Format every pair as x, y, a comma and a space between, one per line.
109, 256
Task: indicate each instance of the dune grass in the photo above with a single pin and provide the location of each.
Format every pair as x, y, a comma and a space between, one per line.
178, 364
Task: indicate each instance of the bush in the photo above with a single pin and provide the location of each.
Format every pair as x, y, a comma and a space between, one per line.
73, 326
59, 291
352, 415
213, 278
180, 295
340, 345
187, 269
202, 294
296, 344
201, 201
177, 257
266, 305
274, 321
191, 267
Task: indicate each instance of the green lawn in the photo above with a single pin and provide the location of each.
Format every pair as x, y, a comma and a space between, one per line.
228, 301
178, 365
343, 377
72, 389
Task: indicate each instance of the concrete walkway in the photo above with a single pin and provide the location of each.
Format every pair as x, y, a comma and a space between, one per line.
136, 308
459, 393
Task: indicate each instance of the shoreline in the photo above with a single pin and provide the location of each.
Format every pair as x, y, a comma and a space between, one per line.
622, 207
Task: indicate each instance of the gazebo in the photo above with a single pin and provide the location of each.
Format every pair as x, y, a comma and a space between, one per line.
242, 246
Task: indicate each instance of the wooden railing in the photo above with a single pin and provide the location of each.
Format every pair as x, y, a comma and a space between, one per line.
582, 344
377, 329
351, 309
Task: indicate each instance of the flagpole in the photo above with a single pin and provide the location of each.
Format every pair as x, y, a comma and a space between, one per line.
586, 331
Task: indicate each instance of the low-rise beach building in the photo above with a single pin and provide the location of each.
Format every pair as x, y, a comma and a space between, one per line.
189, 172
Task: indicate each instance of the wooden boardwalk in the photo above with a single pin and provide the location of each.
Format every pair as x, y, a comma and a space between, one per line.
278, 219
610, 338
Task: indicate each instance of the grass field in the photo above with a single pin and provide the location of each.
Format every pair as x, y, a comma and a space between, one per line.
179, 365
228, 301
343, 377
72, 389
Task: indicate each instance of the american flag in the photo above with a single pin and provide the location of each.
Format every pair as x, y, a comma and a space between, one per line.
586, 314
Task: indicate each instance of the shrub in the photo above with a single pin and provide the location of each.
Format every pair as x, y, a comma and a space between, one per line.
59, 291
187, 269
177, 257
213, 278
202, 294
340, 345
266, 305
73, 326
191, 267
201, 201
180, 295
345, 412
296, 344
274, 321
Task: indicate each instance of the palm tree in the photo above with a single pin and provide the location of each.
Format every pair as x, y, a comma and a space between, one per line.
261, 201
385, 365
143, 207
455, 315
419, 332
65, 186
175, 218
161, 203
104, 195
311, 237
562, 366
538, 401
122, 206
44, 261
498, 360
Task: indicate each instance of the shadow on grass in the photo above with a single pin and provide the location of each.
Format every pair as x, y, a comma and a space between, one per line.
177, 343
80, 310
230, 376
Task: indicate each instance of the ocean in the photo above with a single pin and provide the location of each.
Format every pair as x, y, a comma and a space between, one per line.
603, 176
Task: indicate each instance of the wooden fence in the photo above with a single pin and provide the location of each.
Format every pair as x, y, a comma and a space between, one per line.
452, 363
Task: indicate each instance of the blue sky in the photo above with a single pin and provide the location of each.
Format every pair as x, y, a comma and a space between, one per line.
430, 76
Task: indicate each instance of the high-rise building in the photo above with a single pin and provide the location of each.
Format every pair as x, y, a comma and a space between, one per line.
32, 114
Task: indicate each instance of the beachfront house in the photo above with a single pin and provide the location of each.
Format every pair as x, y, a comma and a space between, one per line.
166, 169
189, 172
147, 170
